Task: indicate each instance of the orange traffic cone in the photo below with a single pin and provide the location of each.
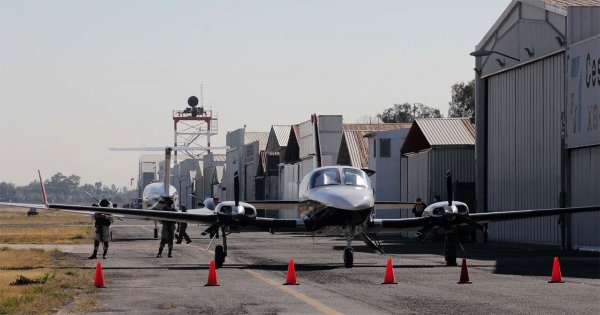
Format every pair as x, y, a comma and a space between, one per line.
389, 273
556, 275
212, 275
99, 278
291, 274
464, 273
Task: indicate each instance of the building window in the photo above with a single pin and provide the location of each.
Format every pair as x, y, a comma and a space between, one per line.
374, 147
385, 147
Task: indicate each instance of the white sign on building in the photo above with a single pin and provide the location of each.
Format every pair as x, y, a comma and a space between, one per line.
583, 98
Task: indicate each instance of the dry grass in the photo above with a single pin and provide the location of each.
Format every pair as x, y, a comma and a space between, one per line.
62, 285
45, 228
12, 216
47, 235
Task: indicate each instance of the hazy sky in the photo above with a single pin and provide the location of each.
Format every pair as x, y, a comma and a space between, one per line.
77, 77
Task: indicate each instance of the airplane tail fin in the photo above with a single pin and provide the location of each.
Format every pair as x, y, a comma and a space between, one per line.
44, 197
315, 122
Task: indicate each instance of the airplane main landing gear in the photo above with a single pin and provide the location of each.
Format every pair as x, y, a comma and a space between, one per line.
221, 251
450, 250
348, 251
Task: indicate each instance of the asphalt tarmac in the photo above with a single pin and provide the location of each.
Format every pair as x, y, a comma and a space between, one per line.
506, 279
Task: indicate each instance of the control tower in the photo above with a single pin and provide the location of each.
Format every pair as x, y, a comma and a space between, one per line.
193, 127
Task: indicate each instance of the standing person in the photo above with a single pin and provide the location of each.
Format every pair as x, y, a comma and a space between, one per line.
418, 208
103, 222
167, 234
182, 227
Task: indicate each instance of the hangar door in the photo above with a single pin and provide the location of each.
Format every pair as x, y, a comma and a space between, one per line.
524, 147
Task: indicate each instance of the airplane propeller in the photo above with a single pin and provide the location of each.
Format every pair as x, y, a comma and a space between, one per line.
449, 187
236, 189
225, 219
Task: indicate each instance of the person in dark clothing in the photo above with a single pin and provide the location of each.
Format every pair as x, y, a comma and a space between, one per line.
103, 222
167, 234
181, 229
418, 208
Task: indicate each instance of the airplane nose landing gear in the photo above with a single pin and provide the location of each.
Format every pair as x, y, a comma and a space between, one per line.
348, 257
450, 250
348, 251
221, 251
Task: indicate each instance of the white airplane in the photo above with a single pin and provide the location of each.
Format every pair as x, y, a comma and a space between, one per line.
341, 207
333, 200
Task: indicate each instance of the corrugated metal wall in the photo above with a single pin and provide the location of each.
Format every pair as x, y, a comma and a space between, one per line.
461, 161
524, 147
415, 176
585, 191
288, 181
584, 23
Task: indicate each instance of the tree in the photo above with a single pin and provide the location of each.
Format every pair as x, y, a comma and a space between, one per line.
63, 189
463, 100
403, 113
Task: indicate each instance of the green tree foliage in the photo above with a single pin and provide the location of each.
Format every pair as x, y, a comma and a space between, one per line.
403, 113
65, 189
463, 100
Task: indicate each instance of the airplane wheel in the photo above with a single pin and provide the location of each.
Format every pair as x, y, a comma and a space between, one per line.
348, 257
155, 232
219, 256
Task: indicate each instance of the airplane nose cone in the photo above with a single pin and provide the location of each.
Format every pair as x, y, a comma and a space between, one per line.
347, 198
238, 210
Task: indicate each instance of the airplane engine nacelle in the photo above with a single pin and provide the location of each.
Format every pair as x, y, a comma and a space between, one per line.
440, 209
228, 208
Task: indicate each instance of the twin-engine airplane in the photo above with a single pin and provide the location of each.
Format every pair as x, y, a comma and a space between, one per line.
333, 200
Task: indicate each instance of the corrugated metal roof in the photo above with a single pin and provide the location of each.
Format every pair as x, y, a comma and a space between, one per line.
356, 143
261, 137
572, 3
282, 133
447, 131
556, 6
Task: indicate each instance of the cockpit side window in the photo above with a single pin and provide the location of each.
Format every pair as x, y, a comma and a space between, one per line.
324, 177
355, 177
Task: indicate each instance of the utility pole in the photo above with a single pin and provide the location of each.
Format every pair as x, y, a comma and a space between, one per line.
415, 110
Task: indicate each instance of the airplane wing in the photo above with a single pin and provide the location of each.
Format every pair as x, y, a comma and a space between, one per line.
23, 205
524, 214
409, 224
293, 204
196, 217
143, 214
44, 207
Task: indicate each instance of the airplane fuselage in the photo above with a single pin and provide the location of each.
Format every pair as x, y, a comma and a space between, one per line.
155, 196
333, 198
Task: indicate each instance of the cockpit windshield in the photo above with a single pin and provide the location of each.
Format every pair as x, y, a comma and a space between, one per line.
324, 177
355, 177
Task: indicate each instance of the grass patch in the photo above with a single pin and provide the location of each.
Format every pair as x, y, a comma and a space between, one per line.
12, 215
47, 235
50, 285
